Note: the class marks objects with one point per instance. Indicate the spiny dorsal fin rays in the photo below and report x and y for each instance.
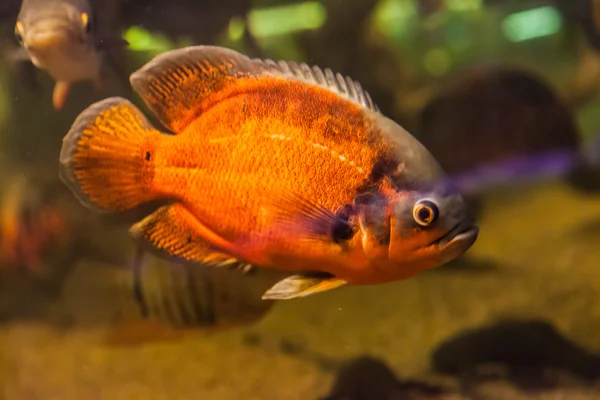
(178, 85)
(325, 78)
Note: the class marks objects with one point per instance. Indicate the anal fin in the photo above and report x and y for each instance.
(302, 285)
(170, 232)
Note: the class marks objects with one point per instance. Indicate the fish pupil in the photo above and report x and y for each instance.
(148, 156)
(425, 214)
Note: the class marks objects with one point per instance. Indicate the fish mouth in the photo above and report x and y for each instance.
(464, 232)
(46, 39)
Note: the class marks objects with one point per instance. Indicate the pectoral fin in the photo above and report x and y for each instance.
(303, 218)
(60, 93)
(301, 285)
(174, 233)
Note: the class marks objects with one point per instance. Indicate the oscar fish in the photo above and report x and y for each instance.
(271, 164)
(59, 36)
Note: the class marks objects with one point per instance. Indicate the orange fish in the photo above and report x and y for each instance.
(274, 164)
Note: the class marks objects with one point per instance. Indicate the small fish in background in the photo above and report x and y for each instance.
(41, 227)
(159, 300)
(28, 226)
(273, 164)
(59, 36)
(516, 128)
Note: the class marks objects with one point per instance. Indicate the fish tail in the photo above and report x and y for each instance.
(105, 157)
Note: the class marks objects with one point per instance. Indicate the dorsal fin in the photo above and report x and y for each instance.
(176, 84)
(325, 78)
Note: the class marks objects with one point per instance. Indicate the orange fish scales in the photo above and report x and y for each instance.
(265, 167)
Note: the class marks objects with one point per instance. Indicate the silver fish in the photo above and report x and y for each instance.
(59, 36)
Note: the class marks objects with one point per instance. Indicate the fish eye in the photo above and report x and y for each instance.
(425, 212)
(19, 32)
(85, 21)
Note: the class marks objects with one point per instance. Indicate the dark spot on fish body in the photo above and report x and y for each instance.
(147, 166)
(385, 165)
(342, 229)
(313, 108)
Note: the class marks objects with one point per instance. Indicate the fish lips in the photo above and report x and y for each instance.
(44, 40)
(463, 234)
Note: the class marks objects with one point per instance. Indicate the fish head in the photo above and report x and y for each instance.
(413, 230)
(415, 219)
(54, 31)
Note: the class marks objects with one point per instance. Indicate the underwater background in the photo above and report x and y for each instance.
(517, 317)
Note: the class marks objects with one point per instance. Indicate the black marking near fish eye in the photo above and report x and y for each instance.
(342, 229)
(384, 166)
(364, 198)
(148, 156)
(425, 212)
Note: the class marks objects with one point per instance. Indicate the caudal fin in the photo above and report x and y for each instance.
(103, 159)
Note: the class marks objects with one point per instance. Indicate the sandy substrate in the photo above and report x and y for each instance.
(544, 245)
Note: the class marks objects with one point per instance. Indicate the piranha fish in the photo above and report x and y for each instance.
(59, 36)
(273, 164)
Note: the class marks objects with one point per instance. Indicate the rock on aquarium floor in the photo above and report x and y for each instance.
(536, 258)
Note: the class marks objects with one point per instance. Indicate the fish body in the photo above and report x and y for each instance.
(59, 36)
(278, 165)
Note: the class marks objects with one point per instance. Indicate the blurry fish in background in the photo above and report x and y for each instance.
(41, 230)
(160, 300)
(28, 225)
(516, 127)
(59, 36)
